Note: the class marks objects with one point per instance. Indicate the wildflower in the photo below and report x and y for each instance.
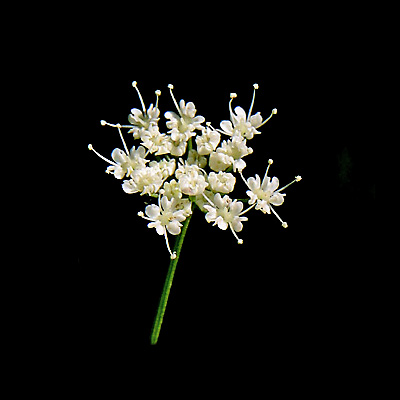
(222, 182)
(143, 120)
(125, 162)
(146, 181)
(208, 141)
(220, 161)
(224, 212)
(236, 149)
(191, 179)
(264, 194)
(165, 218)
(240, 124)
(182, 126)
(155, 141)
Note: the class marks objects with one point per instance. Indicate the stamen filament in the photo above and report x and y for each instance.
(134, 84)
(240, 241)
(274, 111)
(248, 209)
(170, 87)
(244, 180)
(90, 147)
(122, 138)
(210, 202)
(284, 224)
(252, 101)
(158, 94)
(233, 96)
(270, 162)
(173, 255)
(297, 179)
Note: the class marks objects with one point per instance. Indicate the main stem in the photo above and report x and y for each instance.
(168, 283)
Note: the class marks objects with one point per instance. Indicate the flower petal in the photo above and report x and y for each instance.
(227, 127)
(276, 199)
(241, 114)
(152, 211)
(174, 227)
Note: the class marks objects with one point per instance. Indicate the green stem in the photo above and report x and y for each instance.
(168, 283)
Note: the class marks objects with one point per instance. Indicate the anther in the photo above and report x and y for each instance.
(134, 83)
(170, 86)
(285, 225)
(90, 147)
(274, 111)
(240, 241)
(103, 123)
(173, 256)
(233, 95)
(255, 86)
(270, 161)
(298, 178)
(140, 214)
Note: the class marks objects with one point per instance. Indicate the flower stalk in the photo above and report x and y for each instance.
(168, 283)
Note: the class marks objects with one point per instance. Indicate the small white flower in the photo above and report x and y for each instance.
(143, 120)
(172, 189)
(208, 141)
(220, 161)
(167, 217)
(242, 125)
(166, 168)
(146, 181)
(236, 148)
(184, 123)
(195, 158)
(126, 164)
(155, 141)
(224, 212)
(222, 182)
(264, 194)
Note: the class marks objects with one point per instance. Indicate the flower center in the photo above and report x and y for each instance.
(225, 214)
(166, 217)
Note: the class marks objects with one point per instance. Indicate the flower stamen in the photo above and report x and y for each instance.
(284, 224)
(297, 179)
(240, 241)
(274, 111)
(158, 94)
(252, 101)
(170, 87)
(90, 147)
(134, 84)
(232, 96)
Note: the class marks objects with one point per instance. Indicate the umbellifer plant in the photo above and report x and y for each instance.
(189, 167)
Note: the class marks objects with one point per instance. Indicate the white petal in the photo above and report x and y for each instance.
(256, 120)
(254, 184)
(221, 223)
(236, 207)
(274, 184)
(174, 227)
(276, 199)
(152, 211)
(227, 127)
(118, 156)
(241, 114)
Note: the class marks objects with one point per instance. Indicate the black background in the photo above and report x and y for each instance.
(291, 296)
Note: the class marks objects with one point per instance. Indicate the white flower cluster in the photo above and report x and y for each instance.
(181, 176)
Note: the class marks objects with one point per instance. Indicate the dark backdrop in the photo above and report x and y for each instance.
(290, 294)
